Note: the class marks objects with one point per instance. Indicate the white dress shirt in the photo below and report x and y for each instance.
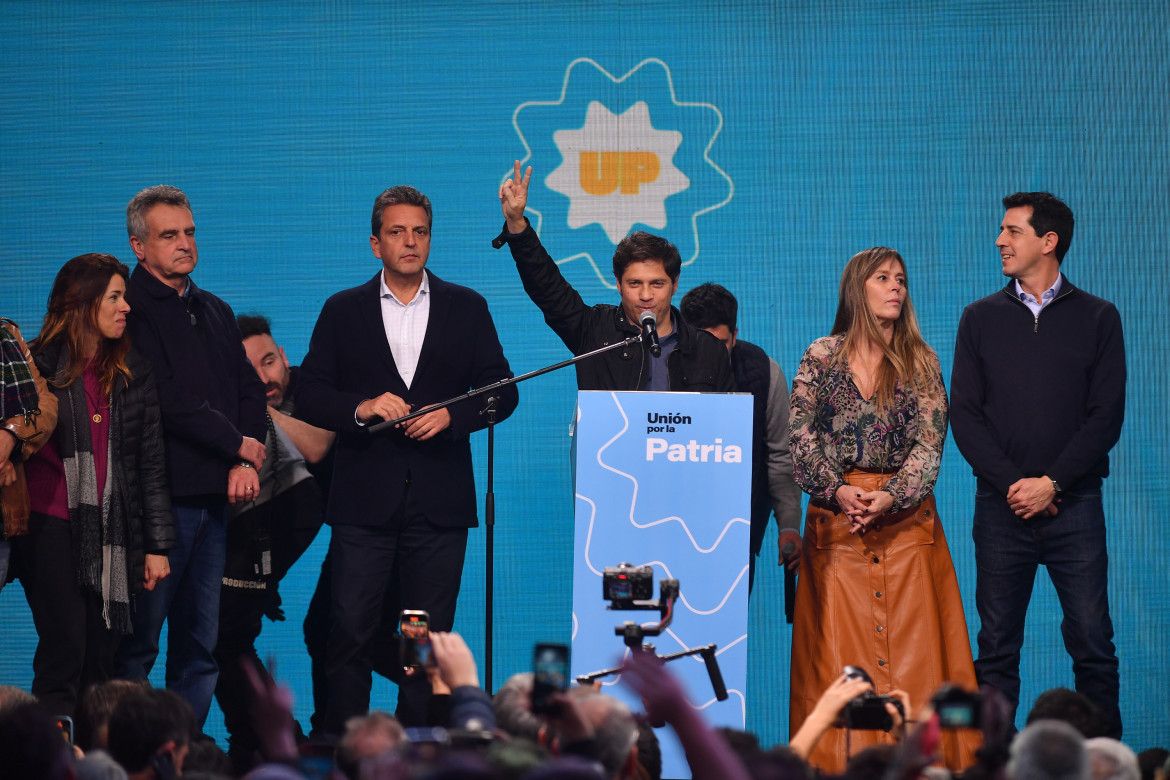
(406, 325)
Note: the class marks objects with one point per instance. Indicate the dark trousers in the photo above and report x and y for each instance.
(319, 620)
(1072, 547)
(427, 563)
(290, 521)
(74, 647)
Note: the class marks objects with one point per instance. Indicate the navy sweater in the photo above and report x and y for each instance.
(1035, 396)
(209, 393)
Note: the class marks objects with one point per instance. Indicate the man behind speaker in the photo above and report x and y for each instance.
(713, 308)
(646, 269)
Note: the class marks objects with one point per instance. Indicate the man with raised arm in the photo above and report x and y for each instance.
(646, 269)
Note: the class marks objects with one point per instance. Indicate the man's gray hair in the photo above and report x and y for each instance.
(615, 731)
(367, 737)
(513, 707)
(1049, 750)
(146, 200)
(1111, 760)
(98, 765)
(12, 696)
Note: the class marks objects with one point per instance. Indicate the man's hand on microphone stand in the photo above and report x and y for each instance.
(387, 406)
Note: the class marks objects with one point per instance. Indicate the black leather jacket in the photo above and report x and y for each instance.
(139, 458)
(699, 364)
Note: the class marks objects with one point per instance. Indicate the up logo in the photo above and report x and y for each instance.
(619, 154)
(604, 172)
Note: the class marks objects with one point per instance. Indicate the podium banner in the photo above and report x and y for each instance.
(664, 480)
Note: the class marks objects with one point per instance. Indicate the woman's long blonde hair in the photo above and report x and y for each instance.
(71, 320)
(907, 358)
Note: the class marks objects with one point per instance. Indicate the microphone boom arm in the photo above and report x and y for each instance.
(488, 388)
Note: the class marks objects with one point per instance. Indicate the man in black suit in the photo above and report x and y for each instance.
(401, 499)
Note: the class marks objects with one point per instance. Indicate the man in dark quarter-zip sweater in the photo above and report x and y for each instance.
(1037, 402)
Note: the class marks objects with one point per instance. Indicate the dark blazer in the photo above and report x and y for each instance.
(350, 361)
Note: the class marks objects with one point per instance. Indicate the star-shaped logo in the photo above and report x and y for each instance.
(616, 154)
(617, 170)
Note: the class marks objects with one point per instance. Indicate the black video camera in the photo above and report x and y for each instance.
(626, 583)
(957, 708)
(868, 711)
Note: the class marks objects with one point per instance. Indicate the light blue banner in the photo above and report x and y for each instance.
(663, 480)
(786, 137)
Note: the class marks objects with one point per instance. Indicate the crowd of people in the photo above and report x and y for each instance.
(127, 730)
(162, 461)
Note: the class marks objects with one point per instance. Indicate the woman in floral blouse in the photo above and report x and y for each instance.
(877, 587)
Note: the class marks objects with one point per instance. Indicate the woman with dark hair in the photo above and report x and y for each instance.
(877, 586)
(100, 522)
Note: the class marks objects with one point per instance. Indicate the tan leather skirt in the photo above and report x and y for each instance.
(886, 601)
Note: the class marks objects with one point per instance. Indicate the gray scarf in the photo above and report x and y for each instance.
(97, 523)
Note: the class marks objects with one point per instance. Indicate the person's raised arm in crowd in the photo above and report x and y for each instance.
(826, 712)
(471, 706)
(707, 754)
(829, 707)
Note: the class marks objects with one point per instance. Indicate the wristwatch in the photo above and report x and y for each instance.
(1055, 485)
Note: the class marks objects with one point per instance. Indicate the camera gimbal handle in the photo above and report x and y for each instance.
(633, 635)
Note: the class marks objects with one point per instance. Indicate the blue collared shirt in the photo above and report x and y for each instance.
(658, 378)
(1045, 298)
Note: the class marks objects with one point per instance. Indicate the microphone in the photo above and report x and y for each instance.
(650, 331)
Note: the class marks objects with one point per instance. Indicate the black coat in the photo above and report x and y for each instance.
(209, 393)
(350, 360)
(699, 364)
(139, 467)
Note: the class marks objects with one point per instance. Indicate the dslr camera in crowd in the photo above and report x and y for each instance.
(957, 708)
(868, 711)
(626, 583)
